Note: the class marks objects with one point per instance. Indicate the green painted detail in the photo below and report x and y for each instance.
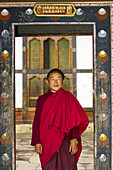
(34, 87)
(34, 54)
(63, 53)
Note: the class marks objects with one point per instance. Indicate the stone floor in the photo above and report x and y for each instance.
(26, 158)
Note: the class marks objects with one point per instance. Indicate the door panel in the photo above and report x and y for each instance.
(34, 54)
(63, 53)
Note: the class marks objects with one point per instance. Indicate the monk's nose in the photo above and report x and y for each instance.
(56, 81)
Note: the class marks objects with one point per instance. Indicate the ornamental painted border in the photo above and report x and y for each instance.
(17, 15)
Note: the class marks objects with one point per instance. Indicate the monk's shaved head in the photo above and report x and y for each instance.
(55, 70)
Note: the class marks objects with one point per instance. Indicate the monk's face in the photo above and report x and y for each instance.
(55, 81)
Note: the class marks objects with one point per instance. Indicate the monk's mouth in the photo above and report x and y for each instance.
(56, 85)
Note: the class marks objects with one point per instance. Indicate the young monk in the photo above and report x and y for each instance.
(58, 124)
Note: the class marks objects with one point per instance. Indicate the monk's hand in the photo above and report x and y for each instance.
(38, 148)
(73, 148)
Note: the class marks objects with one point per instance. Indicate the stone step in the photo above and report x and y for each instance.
(26, 158)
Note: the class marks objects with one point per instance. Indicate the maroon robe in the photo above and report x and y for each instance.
(62, 159)
(74, 133)
(61, 113)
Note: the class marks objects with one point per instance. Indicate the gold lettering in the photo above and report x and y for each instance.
(53, 7)
(61, 7)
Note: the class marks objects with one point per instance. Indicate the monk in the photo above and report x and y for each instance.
(58, 124)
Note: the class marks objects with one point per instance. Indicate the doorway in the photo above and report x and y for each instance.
(34, 57)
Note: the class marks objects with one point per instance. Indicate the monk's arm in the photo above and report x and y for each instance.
(74, 133)
(73, 148)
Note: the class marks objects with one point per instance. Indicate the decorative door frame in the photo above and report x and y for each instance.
(102, 80)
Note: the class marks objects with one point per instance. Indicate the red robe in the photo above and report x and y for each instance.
(36, 123)
(61, 112)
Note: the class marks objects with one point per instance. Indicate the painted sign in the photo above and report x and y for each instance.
(54, 10)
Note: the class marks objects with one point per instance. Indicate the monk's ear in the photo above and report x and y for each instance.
(63, 80)
(47, 81)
